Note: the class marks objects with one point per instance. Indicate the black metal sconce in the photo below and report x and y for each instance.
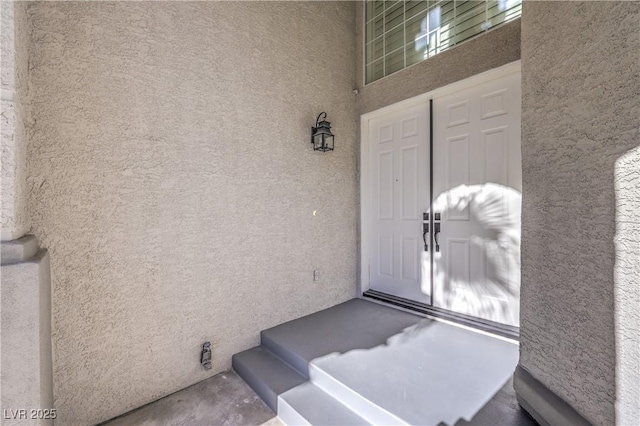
(321, 136)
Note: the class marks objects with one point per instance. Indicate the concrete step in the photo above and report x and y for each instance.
(430, 374)
(267, 375)
(363, 363)
(370, 412)
(355, 324)
(309, 405)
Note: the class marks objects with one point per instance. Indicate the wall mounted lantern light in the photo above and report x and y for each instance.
(321, 136)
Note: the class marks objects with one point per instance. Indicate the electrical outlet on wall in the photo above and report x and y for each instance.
(316, 275)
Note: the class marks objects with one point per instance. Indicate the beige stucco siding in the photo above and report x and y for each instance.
(580, 117)
(173, 182)
(13, 116)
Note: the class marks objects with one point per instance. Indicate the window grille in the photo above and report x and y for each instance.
(401, 33)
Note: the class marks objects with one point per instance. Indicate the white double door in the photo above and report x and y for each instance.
(472, 265)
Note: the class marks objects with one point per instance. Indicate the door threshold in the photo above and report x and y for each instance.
(487, 326)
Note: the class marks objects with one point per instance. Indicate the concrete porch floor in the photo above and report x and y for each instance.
(224, 399)
(227, 400)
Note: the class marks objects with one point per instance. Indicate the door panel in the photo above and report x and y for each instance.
(399, 195)
(386, 186)
(409, 182)
(410, 250)
(457, 166)
(385, 250)
(477, 189)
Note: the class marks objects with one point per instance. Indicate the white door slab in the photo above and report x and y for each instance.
(399, 158)
(477, 184)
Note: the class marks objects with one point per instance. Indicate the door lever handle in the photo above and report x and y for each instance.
(436, 231)
(425, 230)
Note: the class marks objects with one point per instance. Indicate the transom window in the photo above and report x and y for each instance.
(402, 33)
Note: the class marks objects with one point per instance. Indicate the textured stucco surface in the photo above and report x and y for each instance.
(7, 46)
(13, 112)
(580, 65)
(627, 289)
(172, 180)
(483, 53)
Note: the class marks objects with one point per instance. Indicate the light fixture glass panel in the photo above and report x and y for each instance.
(329, 142)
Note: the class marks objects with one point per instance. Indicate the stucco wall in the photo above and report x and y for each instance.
(580, 115)
(172, 180)
(13, 113)
(627, 288)
(491, 50)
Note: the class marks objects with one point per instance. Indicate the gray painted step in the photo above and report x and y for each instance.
(309, 405)
(265, 374)
(355, 324)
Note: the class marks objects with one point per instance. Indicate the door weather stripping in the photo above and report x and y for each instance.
(503, 330)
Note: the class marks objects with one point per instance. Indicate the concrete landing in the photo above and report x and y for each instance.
(356, 324)
(431, 373)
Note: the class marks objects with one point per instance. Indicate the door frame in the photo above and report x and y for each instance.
(365, 160)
